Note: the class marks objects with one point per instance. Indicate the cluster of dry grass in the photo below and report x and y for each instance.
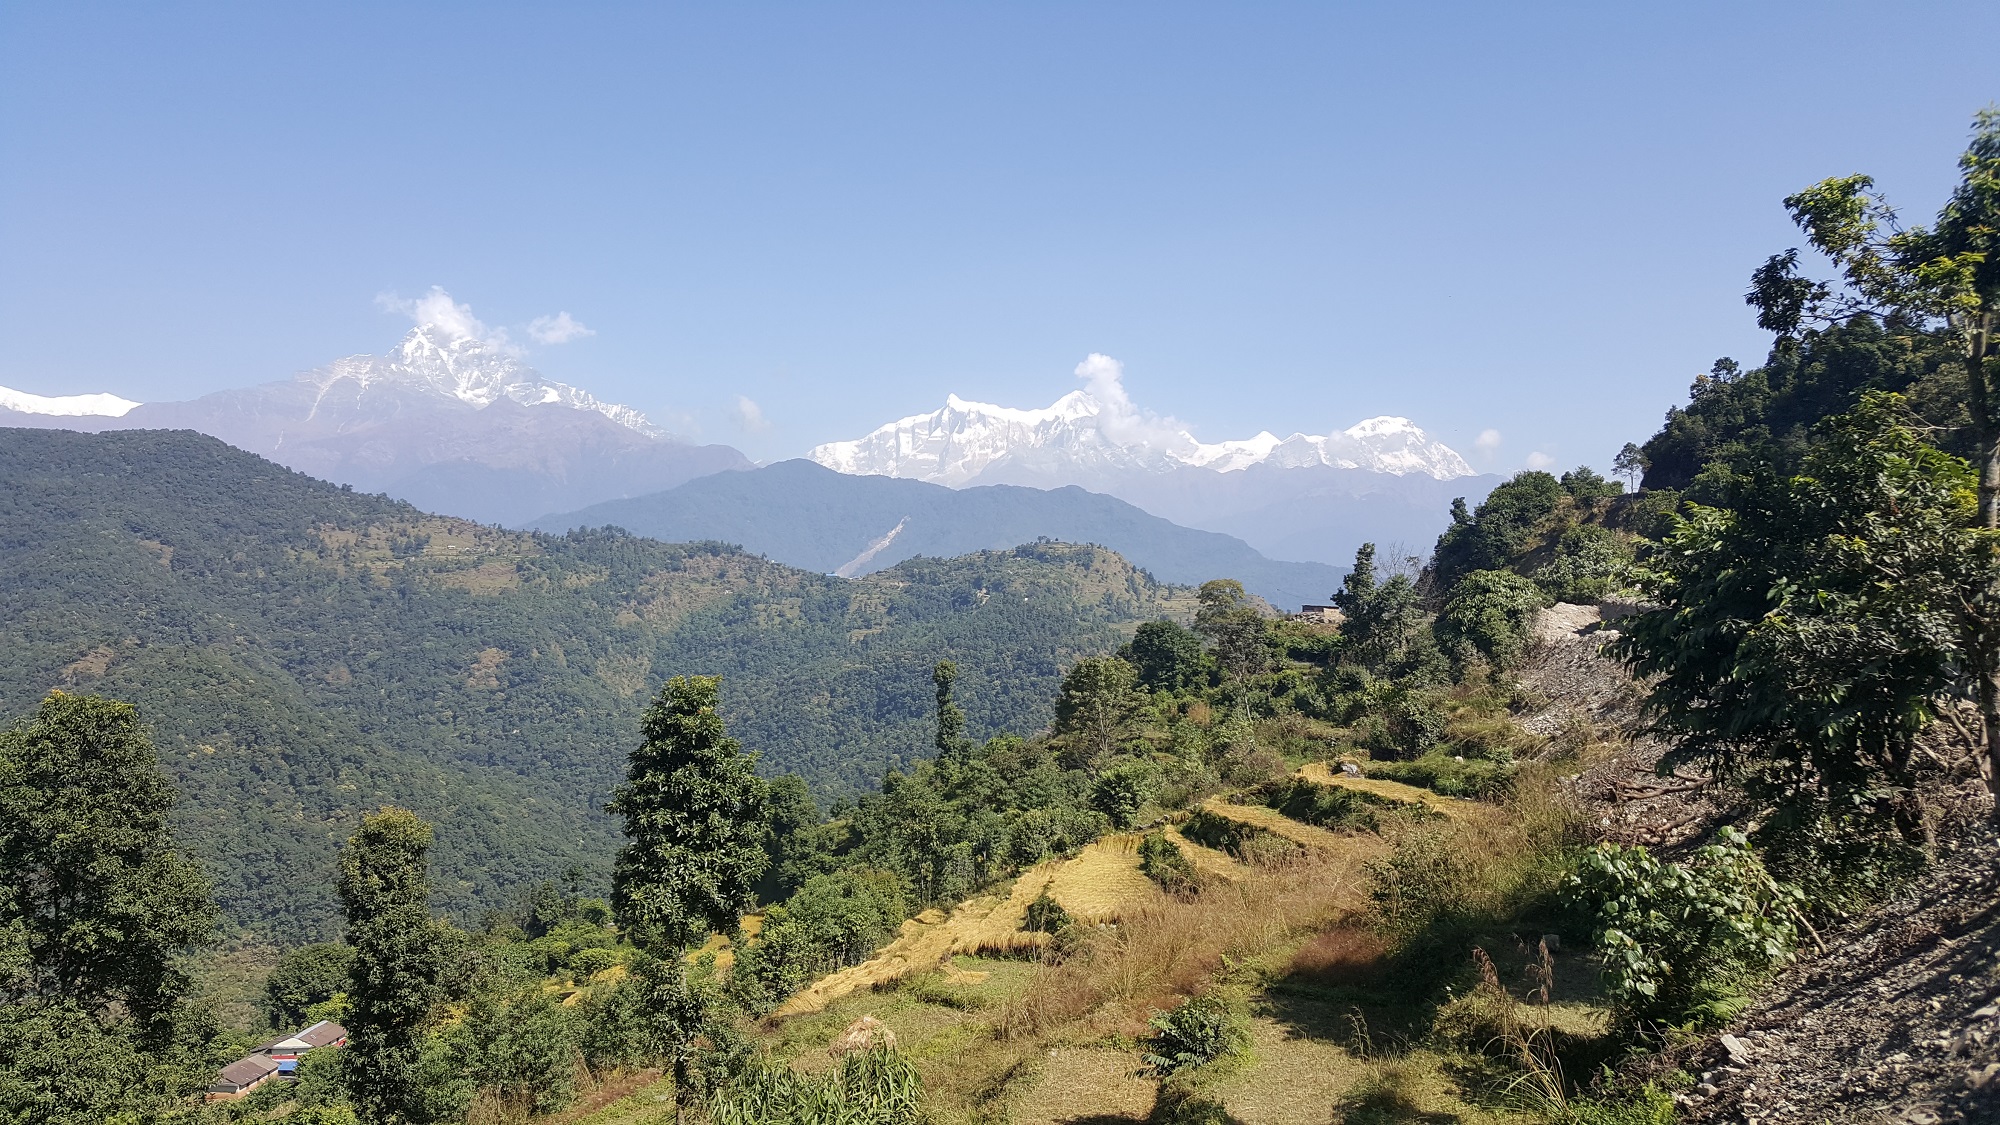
(1167, 948)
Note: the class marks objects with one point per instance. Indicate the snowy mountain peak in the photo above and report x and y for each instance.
(66, 406)
(474, 371)
(1081, 438)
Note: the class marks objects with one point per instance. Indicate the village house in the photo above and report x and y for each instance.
(278, 1058)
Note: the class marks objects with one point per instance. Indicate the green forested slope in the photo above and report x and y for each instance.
(306, 653)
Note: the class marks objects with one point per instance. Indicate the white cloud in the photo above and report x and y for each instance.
(557, 329)
(437, 310)
(1540, 461)
(1118, 417)
(750, 416)
(1487, 442)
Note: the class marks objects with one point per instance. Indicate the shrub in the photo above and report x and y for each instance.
(877, 1087)
(1198, 1032)
(1447, 776)
(587, 963)
(1045, 915)
(1121, 791)
(1488, 616)
(1328, 806)
(1681, 938)
(1162, 862)
(1586, 566)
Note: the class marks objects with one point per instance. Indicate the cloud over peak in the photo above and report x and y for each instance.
(557, 329)
(455, 319)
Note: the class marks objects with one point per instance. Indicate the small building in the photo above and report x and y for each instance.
(241, 1077)
(286, 1052)
(1320, 614)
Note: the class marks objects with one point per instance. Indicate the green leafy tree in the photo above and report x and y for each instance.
(1095, 709)
(694, 811)
(1630, 464)
(1488, 616)
(309, 975)
(1499, 530)
(1806, 635)
(1385, 620)
(799, 842)
(1948, 272)
(97, 909)
(405, 965)
(951, 741)
(1121, 791)
(1230, 621)
(1168, 656)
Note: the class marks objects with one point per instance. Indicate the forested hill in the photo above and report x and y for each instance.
(307, 653)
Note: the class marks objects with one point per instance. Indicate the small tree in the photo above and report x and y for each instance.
(1230, 621)
(1488, 616)
(1948, 273)
(1808, 634)
(93, 893)
(694, 812)
(308, 975)
(97, 909)
(1095, 708)
(1630, 464)
(1168, 657)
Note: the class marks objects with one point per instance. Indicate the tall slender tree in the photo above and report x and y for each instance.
(951, 740)
(1950, 273)
(694, 812)
(403, 962)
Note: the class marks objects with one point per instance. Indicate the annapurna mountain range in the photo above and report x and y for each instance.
(450, 422)
(1304, 497)
(460, 425)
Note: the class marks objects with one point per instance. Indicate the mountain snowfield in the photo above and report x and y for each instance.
(451, 419)
(65, 406)
(471, 370)
(1078, 437)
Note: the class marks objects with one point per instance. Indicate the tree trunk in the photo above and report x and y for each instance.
(1987, 651)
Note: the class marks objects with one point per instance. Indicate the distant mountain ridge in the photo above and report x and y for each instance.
(1305, 497)
(447, 421)
(979, 443)
(804, 515)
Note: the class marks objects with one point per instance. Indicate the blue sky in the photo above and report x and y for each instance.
(1535, 219)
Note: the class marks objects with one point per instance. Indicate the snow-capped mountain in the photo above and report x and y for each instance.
(449, 420)
(64, 406)
(968, 442)
(1309, 497)
(470, 370)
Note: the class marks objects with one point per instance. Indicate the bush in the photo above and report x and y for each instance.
(1447, 776)
(1586, 566)
(587, 963)
(1681, 939)
(1162, 862)
(1328, 806)
(1121, 791)
(1194, 1034)
(877, 1087)
(1045, 915)
(1487, 616)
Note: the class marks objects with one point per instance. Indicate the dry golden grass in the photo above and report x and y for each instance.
(1207, 862)
(1277, 824)
(1103, 881)
(1322, 774)
(1345, 955)
(1098, 1081)
(1171, 948)
(998, 933)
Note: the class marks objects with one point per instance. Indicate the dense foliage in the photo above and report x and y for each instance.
(97, 910)
(306, 654)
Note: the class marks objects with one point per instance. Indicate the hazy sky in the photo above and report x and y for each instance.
(1534, 219)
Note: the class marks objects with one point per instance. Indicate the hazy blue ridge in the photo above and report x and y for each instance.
(811, 517)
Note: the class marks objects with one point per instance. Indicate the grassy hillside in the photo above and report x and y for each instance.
(812, 517)
(307, 653)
